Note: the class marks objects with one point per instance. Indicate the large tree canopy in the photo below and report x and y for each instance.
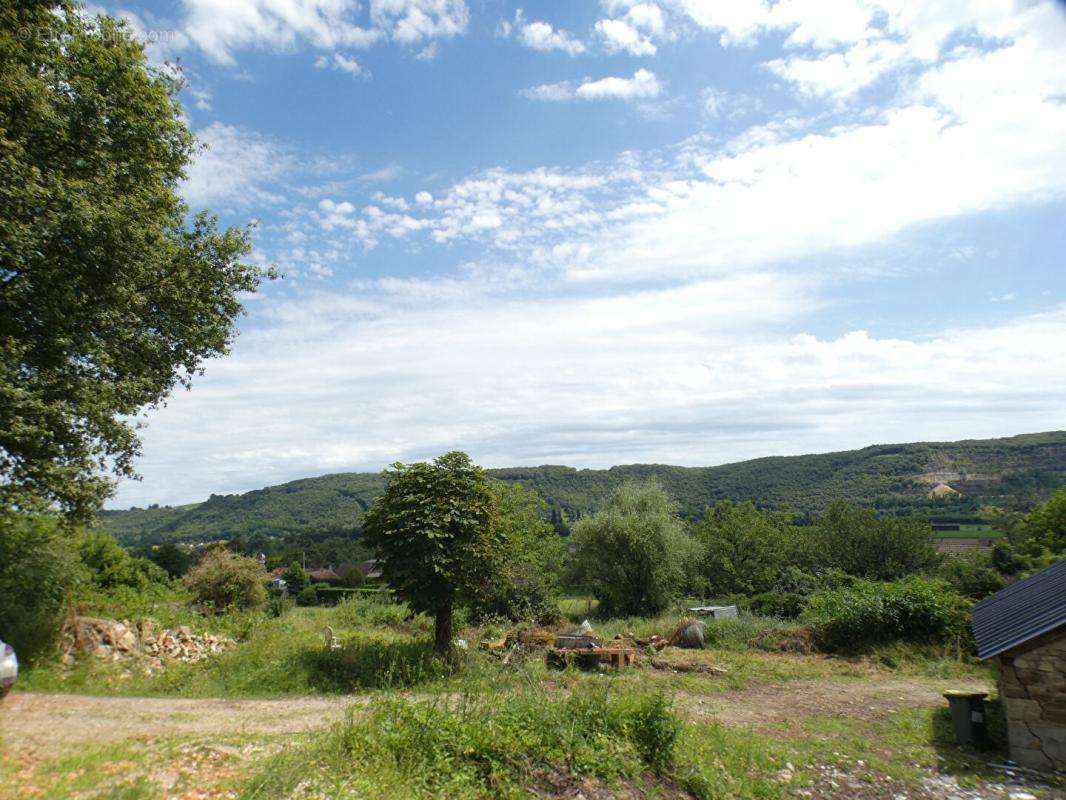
(109, 294)
(436, 533)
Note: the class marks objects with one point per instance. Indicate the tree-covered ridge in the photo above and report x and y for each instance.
(1013, 473)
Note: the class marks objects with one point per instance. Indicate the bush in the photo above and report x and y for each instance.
(110, 566)
(972, 575)
(634, 553)
(225, 580)
(785, 605)
(307, 596)
(39, 569)
(531, 556)
(376, 609)
(331, 595)
(914, 610)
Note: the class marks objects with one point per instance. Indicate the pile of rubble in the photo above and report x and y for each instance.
(111, 640)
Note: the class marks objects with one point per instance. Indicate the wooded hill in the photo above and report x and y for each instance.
(1013, 473)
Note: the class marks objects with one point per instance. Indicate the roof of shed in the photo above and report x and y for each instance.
(1021, 612)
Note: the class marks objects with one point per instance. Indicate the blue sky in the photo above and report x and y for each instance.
(680, 231)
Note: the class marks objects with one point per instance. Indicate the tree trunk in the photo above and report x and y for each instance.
(442, 639)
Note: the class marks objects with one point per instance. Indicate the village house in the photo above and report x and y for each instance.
(1023, 627)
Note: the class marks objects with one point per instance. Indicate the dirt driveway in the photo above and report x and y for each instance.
(43, 724)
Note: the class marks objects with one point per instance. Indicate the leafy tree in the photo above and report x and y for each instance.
(109, 294)
(744, 550)
(972, 575)
(109, 565)
(434, 532)
(531, 558)
(1046, 525)
(861, 543)
(295, 578)
(224, 580)
(39, 569)
(172, 558)
(634, 552)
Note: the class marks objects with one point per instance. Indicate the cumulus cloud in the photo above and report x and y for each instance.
(342, 63)
(698, 374)
(541, 36)
(237, 167)
(220, 27)
(663, 305)
(643, 85)
(411, 21)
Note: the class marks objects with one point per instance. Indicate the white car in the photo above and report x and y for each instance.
(9, 668)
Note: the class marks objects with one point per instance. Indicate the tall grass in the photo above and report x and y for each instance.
(505, 746)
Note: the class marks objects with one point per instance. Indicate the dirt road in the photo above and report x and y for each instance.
(46, 723)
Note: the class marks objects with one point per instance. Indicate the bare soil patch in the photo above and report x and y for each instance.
(47, 724)
(763, 705)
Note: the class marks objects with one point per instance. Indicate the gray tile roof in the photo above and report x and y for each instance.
(1021, 612)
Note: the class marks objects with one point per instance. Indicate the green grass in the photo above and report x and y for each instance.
(502, 746)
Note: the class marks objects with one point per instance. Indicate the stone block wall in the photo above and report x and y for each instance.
(1032, 683)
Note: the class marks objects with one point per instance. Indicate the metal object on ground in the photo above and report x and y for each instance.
(968, 716)
(9, 668)
(715, 612)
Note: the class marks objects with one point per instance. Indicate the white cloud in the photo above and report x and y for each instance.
(643, 85)
(342, 63)
(842, 74)
(411, 21)
(701, 373)
(541, 36)
(219, 27)
(236, 168)
(737, 21)
(618, 35)
(202, 98)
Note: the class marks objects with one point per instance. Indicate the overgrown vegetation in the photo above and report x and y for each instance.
(487, 746)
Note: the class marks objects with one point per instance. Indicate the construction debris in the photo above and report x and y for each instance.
(110, 640)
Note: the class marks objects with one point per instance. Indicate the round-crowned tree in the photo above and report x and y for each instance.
(436, 537)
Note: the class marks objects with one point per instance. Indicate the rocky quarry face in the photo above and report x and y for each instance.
(140, 641)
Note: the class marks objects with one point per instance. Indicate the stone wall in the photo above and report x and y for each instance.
(1032, 682)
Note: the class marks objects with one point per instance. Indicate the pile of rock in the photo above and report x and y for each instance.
(112, 640)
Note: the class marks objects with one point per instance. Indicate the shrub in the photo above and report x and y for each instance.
(295, 578)
(375, 609)
(279, 606)
(331, 595)
(634, 553)
(110, 566)
(223, 579)
(913, 609)
(307, 596)
(39, 569)
(785, 605)
(531, 558)
(972, 575)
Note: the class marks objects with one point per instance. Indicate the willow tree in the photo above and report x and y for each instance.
(111, 293)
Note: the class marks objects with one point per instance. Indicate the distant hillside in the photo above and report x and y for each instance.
(1015, 473)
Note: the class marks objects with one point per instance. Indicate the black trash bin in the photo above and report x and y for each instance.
(968, 716)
